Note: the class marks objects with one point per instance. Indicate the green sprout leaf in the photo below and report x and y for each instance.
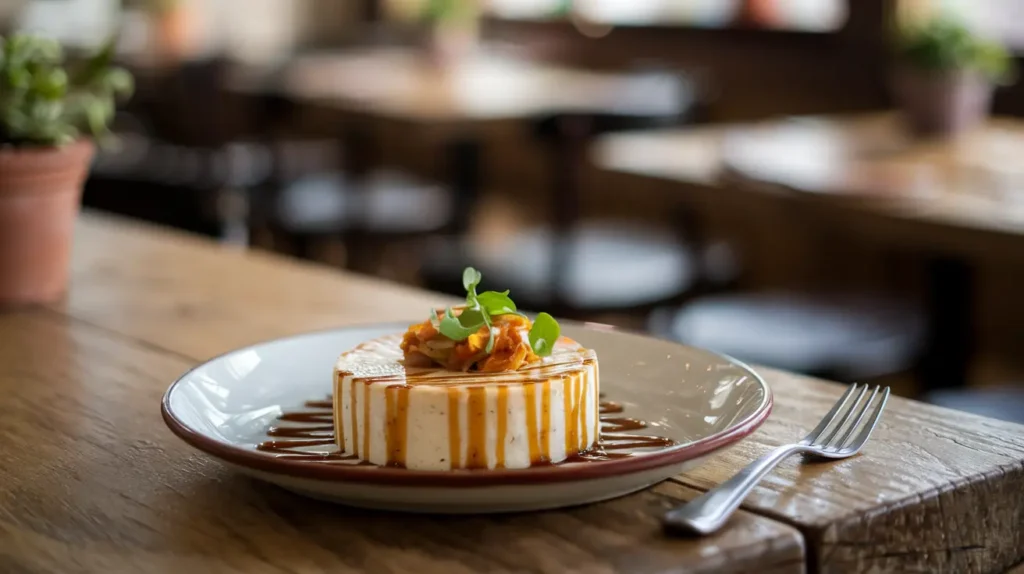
(490, 341)
(479, 311)
(470, 279)
(452, 328)
(473, 318)
(544, 334)
(496, 303)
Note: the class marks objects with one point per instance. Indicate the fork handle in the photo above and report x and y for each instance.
(709, 511)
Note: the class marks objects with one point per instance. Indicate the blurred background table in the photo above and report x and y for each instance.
(492, 83)
(953, 203)
(552, 263)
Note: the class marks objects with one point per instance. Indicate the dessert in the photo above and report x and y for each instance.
(474, 387)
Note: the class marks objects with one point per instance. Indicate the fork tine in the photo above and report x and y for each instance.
(842, 420)
(836, 408)
(838, 444)
(865, 432)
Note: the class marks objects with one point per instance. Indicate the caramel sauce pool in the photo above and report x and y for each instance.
(314, 427)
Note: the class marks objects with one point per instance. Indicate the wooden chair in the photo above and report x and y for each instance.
(845, 337)
(1003, 403)
(575, 267)
(185, 158)
(331, 189)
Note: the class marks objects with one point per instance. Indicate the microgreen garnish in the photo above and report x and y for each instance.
(481, 308)
(496, 303)
(543, 334)
(453, 328)
(470, 279)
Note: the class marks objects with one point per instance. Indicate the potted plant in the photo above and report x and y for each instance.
(50, 116)
(452, 29)
(945, 75)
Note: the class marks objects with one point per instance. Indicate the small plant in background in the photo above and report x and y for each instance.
(51, 117)
(450, 11)
(945, 75)
(44, 102)
(944, 44)
(450, 28)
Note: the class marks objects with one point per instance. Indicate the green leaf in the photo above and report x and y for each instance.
(51, 84)
(120, 81)
(945, 43)
(448, 10)
(471, 278)
(496, 303)
(490, 340)
(43, 104)
(473, 317)
(452, 328)
(98, 64)
(544, 334)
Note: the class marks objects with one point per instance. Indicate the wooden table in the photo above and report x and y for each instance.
(959, 201)
(356, 90)
(92, 481)
(362, 88)
(965, 196)
(401, 84)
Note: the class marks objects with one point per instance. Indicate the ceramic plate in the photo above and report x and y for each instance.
(699, 401)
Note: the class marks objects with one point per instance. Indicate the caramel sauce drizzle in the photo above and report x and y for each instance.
(355, 419)
(396, 399)
(568, 389)
(336, 404)
(313, 433)
(454, 430)
(530, 394)
(545, 422)
(366, 420)
(610, 407)
(499, 451)
(311, 429)
(476, 453)
(394, 370)
(583, 410)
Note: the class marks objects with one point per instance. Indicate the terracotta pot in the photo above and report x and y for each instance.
(942, 103)
(447, 46)
(40, 189)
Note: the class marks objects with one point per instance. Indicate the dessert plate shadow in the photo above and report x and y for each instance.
(699, 401)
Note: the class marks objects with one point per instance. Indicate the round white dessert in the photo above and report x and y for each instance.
(433, 419)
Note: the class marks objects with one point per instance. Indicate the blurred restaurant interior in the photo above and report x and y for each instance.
(733, 174)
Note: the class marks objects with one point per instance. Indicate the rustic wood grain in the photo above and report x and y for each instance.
(935, 490)
(91, 481)
(215, 297)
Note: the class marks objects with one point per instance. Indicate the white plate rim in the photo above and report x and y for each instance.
(265, 462)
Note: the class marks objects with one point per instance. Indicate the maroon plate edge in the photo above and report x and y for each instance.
(390, 476)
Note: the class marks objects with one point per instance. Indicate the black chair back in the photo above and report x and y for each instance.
(651, 97)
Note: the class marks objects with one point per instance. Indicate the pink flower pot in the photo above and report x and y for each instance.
(942, 103)
(40, 189)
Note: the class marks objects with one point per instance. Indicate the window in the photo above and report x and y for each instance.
(803, 15)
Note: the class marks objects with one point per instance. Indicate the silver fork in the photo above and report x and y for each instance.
(842, 433)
